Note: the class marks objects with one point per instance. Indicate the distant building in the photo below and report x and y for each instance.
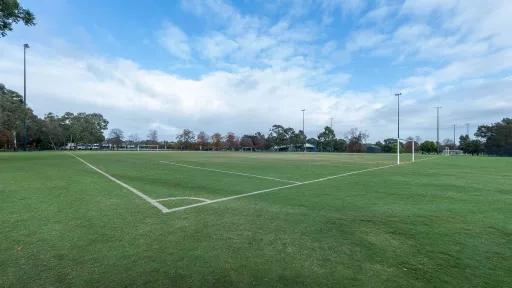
(373, 149)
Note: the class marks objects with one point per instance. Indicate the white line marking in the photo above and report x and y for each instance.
(173, 198)
(137, 192)
(427, 158)
(230, 172)
(276, 188)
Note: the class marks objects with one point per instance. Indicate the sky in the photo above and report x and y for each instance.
(242, 66)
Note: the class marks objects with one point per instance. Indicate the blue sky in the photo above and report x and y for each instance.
(242, 66)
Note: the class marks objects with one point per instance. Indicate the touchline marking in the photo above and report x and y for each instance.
(231, 172)
(174, 198)
(277, 188)
(137, 192)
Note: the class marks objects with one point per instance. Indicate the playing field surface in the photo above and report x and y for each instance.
(222, 219)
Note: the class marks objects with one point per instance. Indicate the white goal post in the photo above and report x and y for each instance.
(398, 149)
(127, 147)
(147, 148)
(448, 152)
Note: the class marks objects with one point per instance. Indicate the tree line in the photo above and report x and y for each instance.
(50, 132)
(279, 138)
(56, 131)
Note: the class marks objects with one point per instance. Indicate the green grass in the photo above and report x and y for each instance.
(443, 222)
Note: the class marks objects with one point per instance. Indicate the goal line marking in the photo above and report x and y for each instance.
(177, 198)
(135, 191)
(230, 172)
(277, 188)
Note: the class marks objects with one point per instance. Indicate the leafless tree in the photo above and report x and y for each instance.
(153, 137)
(202, 140)
(356, 139)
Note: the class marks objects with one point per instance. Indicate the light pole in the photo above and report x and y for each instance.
(437, 143)
(332, 144)
(398, 129)
(25, 47)
(303, 131)
(454, 146)
(270, 133)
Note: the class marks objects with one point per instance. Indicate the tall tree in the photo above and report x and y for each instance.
(356, 140)
(152, 137)
(298, 138)
(389, 145)
(428, 147)
(289, 135)
(217, 142)
(312, 141)
(247, 142)
(133, 139)
(203, 140)
(231, 141)
(54, 130)
(340, 145)
(116, 137)
(408, 145)
(11, 12)
(12, 112)
(476, 147)
(278, 135)
(327, 139)
(86, 128)
(259, 141)
(464, 143)
(12, 115)
(186, 139)
(497, 137)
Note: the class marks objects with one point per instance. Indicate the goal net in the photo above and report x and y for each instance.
(449, 152)
(147, 148)
(127, 147)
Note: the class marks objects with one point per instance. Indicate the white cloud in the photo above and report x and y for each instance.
(470, 20)
(248, 100)
(244, 101)
(461, 70)
(363, 39)
(344, 7)
(175, 41)
(382, 13)
(249, 41)
(216, 46)
(425, 7)
(224, 14)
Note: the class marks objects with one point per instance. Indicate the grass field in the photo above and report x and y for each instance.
(314, 220)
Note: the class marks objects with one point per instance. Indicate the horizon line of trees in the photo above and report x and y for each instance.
(55, 132)
(50, 132)
(285, 137)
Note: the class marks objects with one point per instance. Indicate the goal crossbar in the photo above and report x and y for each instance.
(147, 148)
